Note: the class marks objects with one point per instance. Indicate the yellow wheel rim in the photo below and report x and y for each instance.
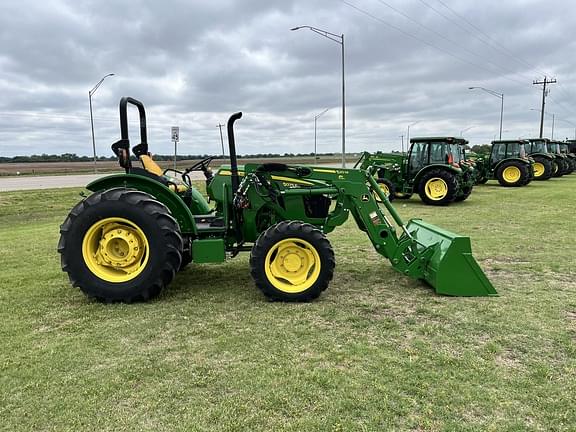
(384, 188)
(436, 189)
(539, 169)
(115, 249)
(511, 174)
(292, 265)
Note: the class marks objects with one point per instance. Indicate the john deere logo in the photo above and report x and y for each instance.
(365, 198)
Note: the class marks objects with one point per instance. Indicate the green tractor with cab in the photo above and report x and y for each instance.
(562, 158)
(547, 164)
(128, 239)
(570, 154)
(433, 169)
(507, 162)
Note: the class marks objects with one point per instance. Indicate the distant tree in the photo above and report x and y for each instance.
(481, 148)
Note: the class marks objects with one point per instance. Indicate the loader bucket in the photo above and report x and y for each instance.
(451, 269)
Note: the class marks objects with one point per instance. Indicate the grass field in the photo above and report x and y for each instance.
(376, 352)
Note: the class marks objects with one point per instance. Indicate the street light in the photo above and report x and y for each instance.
(221, 138)
(339, 39)
(408, 135)
(315, 121)
(90, 93)
(499, 95)
(471, 127)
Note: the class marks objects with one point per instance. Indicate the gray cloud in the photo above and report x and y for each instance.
(193, 63)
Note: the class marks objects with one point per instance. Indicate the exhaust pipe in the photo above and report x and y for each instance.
(232, 148)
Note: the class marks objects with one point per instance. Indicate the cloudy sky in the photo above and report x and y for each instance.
(194, 62)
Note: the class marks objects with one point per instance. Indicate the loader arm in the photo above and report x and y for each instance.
(416, 249)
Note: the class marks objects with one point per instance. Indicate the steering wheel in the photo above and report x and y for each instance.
(201, 165)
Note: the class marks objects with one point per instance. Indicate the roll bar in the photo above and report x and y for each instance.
(121, 148)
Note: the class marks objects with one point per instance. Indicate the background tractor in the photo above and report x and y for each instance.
(563, 160)
(565, 149)
(431, 169)
(546, 163)
(129, 238)
(507, 162)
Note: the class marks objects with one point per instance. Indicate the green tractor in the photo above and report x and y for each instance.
(547, 164)
(129, 238)
(563, 159)
(431, 169)
(507, 163)
(570, 154)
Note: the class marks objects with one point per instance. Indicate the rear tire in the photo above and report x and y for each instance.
(292, 262)
(120, 245)
(511, 174)
(438, 187)
(543, 168)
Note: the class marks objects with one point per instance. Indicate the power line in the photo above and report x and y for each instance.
(457, 57)
(466, 49)
(490, 42)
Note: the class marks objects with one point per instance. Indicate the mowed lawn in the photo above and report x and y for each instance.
(376, 352)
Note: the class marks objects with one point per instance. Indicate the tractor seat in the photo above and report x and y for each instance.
(152, 167)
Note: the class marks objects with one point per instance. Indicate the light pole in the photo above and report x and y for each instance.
(339, 39)
(499, 95)
(408, 135)
(221, 138)
(553, 119)
(471, 127)
(90, 93)
(315, 122)
(402, 138)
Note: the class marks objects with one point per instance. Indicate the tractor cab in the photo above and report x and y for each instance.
(508, 149)
(429, 151)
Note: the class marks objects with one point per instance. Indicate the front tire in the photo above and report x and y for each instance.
(120, 245)
(466, 192)
(387, 187)
(292, 262)
(438, 187)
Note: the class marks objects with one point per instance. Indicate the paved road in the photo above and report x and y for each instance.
(74, 180)
(54, 182)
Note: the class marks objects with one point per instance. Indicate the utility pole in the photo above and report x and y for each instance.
(544, 94)
(221, 139)
(552, 137)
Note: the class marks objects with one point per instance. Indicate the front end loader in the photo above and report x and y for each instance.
(129, 238)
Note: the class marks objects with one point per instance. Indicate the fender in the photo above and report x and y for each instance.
(177, 207)
(523, 161)
(457, 171)
(544, 155)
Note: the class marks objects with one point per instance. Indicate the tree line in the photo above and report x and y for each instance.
(73, 157)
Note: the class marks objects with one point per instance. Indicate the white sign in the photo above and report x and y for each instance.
(175, 133)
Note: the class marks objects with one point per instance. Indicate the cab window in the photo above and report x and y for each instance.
(418, 156)
(438, 153)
